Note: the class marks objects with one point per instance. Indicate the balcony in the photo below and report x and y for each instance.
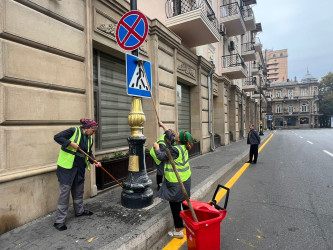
(257, 45)
(250, 84)
(249, 20)
(255, 70)
(258, 28)
(233, 66)
(258, 96)
(193, 21)
(248, 52)
(232, 18)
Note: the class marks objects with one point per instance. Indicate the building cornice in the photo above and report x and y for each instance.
(167, 36)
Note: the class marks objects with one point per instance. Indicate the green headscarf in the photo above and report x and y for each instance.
(186, 139)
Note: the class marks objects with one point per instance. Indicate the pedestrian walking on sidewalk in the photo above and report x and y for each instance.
(170, 190)
(71, 168)
(253, 138)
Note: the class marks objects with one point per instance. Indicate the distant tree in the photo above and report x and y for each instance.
(326, 91)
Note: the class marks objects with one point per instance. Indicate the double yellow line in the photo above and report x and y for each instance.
(177, 243)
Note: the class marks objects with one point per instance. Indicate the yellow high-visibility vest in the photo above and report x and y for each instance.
(182, 164)
(152, 150)
(67, 155)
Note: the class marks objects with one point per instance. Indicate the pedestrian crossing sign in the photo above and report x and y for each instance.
(137, 75)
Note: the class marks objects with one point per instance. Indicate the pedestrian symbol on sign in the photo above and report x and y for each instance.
(138, 80)
(138, 76)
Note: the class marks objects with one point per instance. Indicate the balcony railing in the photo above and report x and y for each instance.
(233, 61)
(231, 9)
(177, 7)
(247, 12)
(234, 66)
(247, 47)
(233, 20)
(251, 81)
(250, 84)
(258, 45)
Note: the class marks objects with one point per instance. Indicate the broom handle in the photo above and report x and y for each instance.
(151, 94)
(100, 166)
(181, 185)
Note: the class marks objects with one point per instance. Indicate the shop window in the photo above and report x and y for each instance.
(291, 121)
(304, 120)
(278, 122)
(112, 105)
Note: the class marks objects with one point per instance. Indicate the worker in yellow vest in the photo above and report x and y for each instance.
(71, 168)
(163, 142)
(170, 190)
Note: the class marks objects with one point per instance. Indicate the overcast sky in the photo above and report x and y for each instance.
(303, 27)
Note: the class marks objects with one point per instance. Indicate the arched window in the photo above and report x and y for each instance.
(304, 107)
(278, 109)
(291, 109)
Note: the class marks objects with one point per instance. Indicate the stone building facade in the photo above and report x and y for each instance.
(60, 62)
(294, 104)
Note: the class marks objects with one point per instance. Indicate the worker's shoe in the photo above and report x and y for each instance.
(60, 226)
(175, 234)
(85, 213)
(249, 162)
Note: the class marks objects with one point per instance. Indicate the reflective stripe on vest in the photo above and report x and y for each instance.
(182, 165)
(67, 155)
(152, 150)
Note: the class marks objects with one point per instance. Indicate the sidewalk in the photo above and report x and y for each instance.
(114, 227)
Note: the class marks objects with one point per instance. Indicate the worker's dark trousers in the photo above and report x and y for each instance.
(175, 209)
(63, 200)
(254, 152)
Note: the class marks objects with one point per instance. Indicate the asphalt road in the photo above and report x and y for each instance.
(285, 201)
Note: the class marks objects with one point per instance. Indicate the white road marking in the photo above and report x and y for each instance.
(328, 153)
(301, 137)
(310, 142)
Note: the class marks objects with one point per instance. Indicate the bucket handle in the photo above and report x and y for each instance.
(213, 202)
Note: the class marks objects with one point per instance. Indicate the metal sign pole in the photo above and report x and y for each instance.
(137, 192)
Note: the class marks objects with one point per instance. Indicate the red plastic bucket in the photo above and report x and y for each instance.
(204, 234)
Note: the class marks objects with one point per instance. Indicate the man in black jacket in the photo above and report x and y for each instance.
(253, 138)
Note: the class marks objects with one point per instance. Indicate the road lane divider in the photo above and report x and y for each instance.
(177, 243)
(310, 142)
(328, 153)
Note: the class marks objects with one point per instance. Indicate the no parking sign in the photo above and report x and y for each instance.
(132, 30)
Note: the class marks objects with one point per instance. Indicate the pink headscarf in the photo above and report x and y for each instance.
(88, 123)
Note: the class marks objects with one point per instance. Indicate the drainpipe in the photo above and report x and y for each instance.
(212, 145)
(242, 114)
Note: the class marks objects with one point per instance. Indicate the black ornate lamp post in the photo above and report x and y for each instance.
(137, 192)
